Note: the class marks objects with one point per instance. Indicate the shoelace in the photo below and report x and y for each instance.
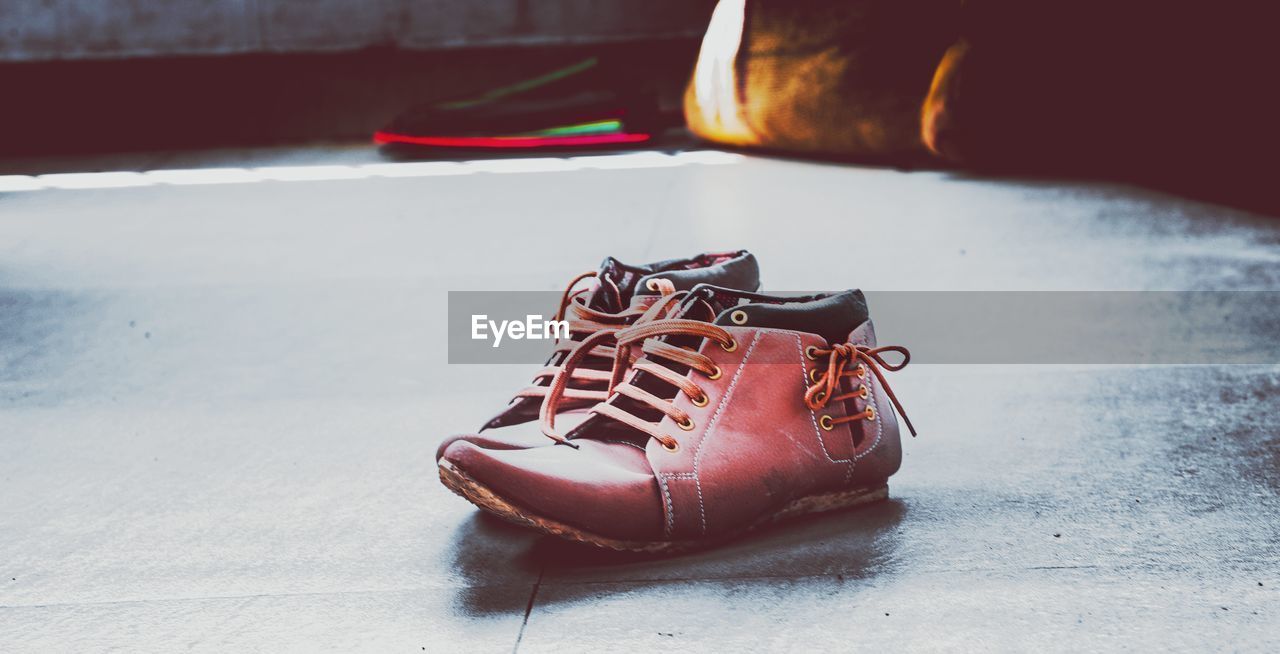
(647, 333)
(827, 383)
(586, 321)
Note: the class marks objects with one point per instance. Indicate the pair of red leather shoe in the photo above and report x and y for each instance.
(700, 410)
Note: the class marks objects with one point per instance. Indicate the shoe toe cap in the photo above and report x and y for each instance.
(600, 488)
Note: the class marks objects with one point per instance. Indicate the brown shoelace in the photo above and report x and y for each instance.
(827, 383)
(585, 321)
(647, 333)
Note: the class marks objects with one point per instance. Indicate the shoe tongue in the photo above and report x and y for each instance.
(604, 428)
(633, 280)
(623, 276)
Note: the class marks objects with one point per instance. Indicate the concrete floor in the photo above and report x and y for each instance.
(219, 403)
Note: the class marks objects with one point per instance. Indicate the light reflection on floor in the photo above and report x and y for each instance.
(202, 176)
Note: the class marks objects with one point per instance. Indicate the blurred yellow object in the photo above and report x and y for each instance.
(828, 77)
(711, 101)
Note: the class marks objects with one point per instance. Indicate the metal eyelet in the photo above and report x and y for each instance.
(864, 392)
(738, 317)
(862, 371)
(819, 396)
(815, 375)
(715, 374)
(871, 413)
(686, 425)
(701, 400)
(811, 352)
(732, 345)
(826, 422)
(673, 447)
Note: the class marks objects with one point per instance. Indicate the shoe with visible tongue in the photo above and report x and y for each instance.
(741, 409)
(621, 295)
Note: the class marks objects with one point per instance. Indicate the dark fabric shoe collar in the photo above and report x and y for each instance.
(737, 269)
(830, 315)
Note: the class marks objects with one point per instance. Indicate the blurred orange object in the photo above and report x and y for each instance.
(819, 76)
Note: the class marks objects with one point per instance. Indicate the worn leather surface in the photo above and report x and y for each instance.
(605, 487)
(754, 447)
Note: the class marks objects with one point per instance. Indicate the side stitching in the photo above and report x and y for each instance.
(670, 511)
(715, 419)
(871, 401)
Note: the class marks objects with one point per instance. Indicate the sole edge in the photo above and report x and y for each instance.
(478, 494)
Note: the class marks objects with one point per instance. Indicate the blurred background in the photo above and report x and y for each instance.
(228, 231)
(1175, 97)
(86, 76)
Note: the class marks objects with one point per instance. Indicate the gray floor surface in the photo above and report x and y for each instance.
(219, 405)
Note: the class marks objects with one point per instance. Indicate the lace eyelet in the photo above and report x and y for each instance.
(700, 401)
(686, 424)
(811, 352)
(862, 371)
(864, 392)
(826, 422)
(738, 317)
(819, 396)
(715, 374)
(673, 447)
(731, 346)
(815, 375)
(871, 413)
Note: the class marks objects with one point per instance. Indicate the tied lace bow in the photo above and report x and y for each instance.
(839, 356)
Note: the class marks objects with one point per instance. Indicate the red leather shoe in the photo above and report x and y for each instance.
(739, 410)
(621, 295)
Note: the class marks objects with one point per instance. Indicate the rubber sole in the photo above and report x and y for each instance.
(473, 491)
